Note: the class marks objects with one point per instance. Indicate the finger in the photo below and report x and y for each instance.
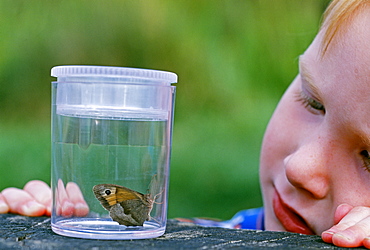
(353, 236)
(41, 192)
(21, 202)
(64, 206)
(366, 242)
(76, 197)
(4, 208)
(352, 229)
(341, 211)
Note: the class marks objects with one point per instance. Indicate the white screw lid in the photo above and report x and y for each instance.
(115, 72)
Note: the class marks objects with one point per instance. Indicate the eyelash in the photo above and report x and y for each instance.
(365, 154)
(311, 104)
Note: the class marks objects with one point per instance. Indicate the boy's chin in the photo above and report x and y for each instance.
(277, 228)
(273, 224)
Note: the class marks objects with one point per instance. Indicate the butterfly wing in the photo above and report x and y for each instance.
(110, 194)
(137, 209)
(125, 206)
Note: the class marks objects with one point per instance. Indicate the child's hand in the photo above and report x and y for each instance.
(351, 229)
(70, 201)
(35, 200)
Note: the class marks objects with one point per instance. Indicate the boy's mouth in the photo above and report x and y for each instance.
(290, 220)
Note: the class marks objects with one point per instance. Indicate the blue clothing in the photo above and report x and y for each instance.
(245, 219)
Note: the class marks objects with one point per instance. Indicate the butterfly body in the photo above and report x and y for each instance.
(125, 206)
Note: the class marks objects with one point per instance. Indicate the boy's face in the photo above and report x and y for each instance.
(316, 150)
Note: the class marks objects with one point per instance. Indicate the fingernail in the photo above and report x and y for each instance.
(328, 232)
(327, 236)
(344, 237)
(32, 208)
(4, 208)
(67, 209)
(81, 209)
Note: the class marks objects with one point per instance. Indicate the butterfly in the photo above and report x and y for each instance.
(125, 206)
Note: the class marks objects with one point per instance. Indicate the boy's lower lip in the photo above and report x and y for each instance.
(290, 220)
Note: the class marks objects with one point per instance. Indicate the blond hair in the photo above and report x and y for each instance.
(337, 16)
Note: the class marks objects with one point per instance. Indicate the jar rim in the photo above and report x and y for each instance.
(110, 71)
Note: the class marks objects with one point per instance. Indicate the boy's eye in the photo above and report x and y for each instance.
(311, 104)
(366, 157)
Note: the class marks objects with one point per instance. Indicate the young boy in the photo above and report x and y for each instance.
(315, 158)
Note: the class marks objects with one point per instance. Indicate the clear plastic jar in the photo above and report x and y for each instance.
(111, 126)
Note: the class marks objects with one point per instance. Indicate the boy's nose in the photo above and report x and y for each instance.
(307, 169)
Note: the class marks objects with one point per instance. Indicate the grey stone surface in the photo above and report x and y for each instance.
(20, 232)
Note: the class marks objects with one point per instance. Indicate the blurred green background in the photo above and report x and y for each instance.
(234, 59)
